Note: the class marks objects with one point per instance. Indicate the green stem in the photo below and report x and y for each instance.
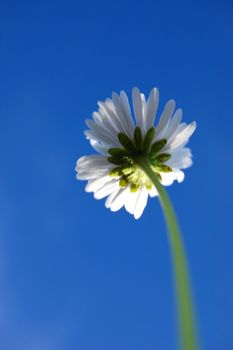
(187, 328)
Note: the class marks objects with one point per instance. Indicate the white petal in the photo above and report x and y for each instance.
(180, 158)
(183, 136)
(95, 184)
(90, 167)
(174, 123)
(103, 123)
(137, 105)
(111, 120)
(165, 119)
(90, 174)
(110, 133)
(120, 199)
(144, 122)
(151, 107)
(167, 178)
(178, 130)
(97, 117)
(153, 192)
(180, 152)
(141, 202)
(126, 110)
(110, 198)
(179, 175)
(103, 149)
(106, 189)
(101, 137)
(131, 201)
(96, 160)
(120, 115)
(107, 108)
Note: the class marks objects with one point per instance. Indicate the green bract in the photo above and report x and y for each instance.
(126, 159)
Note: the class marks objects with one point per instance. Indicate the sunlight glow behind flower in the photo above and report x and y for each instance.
(121, 141)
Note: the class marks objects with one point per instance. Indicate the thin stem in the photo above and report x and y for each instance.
(187, 327)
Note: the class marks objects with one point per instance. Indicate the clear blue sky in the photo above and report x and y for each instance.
(72, 274)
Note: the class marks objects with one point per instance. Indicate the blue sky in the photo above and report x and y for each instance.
(72, 274)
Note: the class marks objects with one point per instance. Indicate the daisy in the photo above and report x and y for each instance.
(123, 140)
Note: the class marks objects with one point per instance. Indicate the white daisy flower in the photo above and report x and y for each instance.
(120, 140)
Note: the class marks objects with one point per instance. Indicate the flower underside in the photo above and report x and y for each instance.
(127, 158)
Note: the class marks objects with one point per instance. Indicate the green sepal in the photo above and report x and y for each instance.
(126, 142)
(164, 168)
(123, 182)
(138, 138)
(148, 139)
(115, 160)
(154, 161)
(134, 187)
(157, 146)
(163, 157)
(117, 152)
(115, 172)
(159, 176)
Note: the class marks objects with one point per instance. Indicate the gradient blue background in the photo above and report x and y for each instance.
(73, 275)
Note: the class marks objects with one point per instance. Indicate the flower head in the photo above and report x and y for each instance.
(115, 172)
